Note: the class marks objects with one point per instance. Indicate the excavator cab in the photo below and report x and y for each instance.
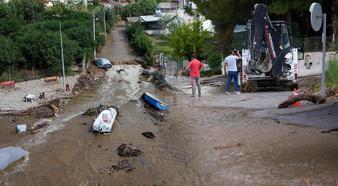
(268, 54)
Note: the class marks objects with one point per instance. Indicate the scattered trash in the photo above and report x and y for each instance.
(9, 155)
(276, 120)
(21, 128)
(128, 150)
(7, 84)
(29, 98)
(133, 101)
(156, 114)
(157, 79)
(121, 165)
(331, 130)
(120, 70)
(42, 95)
(227, 146)
(149, 135)
(49, 79)
(38, 126)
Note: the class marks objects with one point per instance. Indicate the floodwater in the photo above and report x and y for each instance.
(196, 145)
(68, 153)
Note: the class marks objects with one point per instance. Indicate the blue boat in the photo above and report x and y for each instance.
(154, 101)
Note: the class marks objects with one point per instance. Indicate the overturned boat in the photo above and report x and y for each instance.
(10, 155)
(154, 101)
(104, 122)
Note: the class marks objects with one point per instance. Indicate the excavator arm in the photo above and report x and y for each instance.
(267, 51)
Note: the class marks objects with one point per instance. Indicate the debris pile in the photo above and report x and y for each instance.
(93, 77)
(129, 62)
(313, 98)
(128, 150)
(38, 126)
(49, 109)
(97, 110)
(121, 165)
(157, 79)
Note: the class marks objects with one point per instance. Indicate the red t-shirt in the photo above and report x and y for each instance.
(195, 67)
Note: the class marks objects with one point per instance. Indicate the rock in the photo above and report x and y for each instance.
(149, 135)
(123, 165)
(128, 150)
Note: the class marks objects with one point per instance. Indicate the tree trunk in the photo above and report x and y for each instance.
(313, 98)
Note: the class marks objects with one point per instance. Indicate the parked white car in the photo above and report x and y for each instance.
(103, 63)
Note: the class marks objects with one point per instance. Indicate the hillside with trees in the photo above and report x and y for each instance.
(30, 37)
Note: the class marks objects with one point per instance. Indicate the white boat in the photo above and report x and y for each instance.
(104, 122)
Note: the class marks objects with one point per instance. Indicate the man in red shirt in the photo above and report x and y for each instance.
(194, 67)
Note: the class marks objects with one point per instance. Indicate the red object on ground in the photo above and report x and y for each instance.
(295, 92)
(49, 79)
(7, 83)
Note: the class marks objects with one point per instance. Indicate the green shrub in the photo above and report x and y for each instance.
(215, 62)
(332, 72)
(140, 42)
(138, 8)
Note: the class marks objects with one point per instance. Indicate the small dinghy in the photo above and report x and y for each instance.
(154, 101)
(104, 122)
(9, 155)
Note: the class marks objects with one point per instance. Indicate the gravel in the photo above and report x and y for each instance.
(13, 98)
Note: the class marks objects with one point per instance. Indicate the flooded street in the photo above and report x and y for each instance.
(197, 145)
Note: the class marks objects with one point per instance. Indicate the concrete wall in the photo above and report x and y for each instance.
(311, 64)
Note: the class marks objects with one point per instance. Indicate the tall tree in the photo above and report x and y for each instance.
(29, 10)
(188, 38)
(10, 55)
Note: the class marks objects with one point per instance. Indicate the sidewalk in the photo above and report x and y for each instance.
(262, 104)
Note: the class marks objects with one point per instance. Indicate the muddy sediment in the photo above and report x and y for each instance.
(199, 145)
(93, 77)
(128, 150)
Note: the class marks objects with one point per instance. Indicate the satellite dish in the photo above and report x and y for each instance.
(316, 16)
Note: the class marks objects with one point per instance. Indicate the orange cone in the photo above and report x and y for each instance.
(295, 92)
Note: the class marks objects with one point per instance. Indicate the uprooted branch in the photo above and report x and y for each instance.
(313, 98)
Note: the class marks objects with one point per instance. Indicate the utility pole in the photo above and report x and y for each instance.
(104, 22)
(94, 34)
(324, 55)
(62, 58)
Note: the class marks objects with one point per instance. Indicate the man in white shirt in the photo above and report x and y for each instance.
(231, 68)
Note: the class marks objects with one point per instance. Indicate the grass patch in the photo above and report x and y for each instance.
(331, 81)
(161, 44)
(332, 72)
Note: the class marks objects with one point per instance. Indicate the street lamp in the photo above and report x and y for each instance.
(104, 22)
(62, 59)
(94, 19)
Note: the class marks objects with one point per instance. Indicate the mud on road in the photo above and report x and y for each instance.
(212, 140)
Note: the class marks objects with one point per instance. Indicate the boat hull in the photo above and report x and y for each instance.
(104, 122)
(154, 101)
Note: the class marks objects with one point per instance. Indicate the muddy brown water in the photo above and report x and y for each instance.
(196, 146)
(68, 153)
